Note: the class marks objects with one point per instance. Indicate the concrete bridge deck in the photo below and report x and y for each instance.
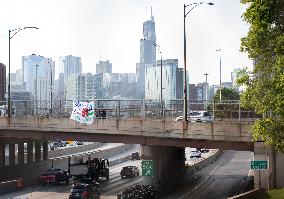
(233, 135)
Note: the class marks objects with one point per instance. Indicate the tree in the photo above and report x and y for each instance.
(265, 83)
(227, 94)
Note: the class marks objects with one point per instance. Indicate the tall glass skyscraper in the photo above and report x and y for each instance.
(72, 65)
(147, 54)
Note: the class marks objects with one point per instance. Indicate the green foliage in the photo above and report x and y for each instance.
(227, 94)
(265, 84)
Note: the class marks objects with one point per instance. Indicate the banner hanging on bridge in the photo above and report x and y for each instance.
(83, 112)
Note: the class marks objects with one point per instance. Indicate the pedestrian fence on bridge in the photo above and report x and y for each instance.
(129, 108)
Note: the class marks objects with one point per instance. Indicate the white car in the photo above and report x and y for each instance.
(200, 116)
(195, 153)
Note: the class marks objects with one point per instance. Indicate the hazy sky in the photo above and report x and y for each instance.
(111, 29)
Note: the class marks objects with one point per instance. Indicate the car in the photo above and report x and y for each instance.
(129, 171)
(79, 143)
(135, 156)
(54, 176)
(200, 116)
(195, 153)
(203, 150)
(84, 191)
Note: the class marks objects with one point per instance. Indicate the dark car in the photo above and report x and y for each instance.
(129, 171)
(84, 191)
(135, 156)
(54, 176)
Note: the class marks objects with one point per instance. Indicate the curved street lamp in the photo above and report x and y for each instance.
(193, 5)
(15, 31)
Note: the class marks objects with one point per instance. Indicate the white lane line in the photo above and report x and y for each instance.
(203, 181)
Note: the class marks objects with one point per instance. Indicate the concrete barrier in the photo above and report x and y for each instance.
(248, 195)
(73, 150)
(203, 163)
(8, 186)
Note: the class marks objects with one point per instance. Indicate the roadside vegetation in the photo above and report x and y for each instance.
(264, 84)
(273, 194)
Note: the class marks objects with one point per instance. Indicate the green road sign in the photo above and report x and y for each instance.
(258, 164)
(147, 167)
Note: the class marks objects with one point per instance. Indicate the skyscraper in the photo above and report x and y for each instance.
(147, 54)
(38, 75)
(2, 81)
(153, 79)
(104, 67)
(72, 65)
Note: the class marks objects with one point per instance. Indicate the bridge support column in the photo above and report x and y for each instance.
(30, 148)
(37, 151)
(11, 153)
(21, 153)
(169, 166)
(2, 154)
(44, 150)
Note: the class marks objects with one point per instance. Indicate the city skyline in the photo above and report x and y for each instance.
(95, 35)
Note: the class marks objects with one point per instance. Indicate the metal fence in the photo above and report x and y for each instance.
(155, 109)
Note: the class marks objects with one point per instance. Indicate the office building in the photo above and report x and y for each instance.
(2, 81)
(71, 65)
(153, 79)
(104, 67)
(84, 86)
(147, 54)
(38, 75)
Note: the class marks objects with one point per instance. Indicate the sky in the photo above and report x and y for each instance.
(111, 30)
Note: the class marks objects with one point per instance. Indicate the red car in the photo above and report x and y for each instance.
(54, 176)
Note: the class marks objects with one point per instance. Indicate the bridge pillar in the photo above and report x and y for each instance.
(2, 154)
(21, 153)
(37, 151)
(11, 153)
(30, 148)
(44, 150)
(169, 166)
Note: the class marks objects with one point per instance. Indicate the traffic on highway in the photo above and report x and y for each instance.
(94, 178)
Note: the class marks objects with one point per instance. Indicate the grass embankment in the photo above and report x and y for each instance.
(274, 194)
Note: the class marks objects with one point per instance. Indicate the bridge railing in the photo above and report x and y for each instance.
(155, 109)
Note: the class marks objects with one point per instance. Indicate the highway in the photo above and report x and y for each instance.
(223, 178)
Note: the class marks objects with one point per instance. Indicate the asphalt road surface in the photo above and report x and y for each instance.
(224, 178)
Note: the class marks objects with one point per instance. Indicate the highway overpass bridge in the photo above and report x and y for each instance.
(162, 139)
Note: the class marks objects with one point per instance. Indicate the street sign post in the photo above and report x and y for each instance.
(147, 167)
(258, 165)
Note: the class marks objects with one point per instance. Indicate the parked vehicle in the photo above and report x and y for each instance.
(54, 176)
(4, 110)
(195, 153)
(129, 171)
(84, 191)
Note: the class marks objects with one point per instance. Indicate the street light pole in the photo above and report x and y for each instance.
(220, 84)
(50, 88)
(36, 90)
(9, 75)
(194, 5)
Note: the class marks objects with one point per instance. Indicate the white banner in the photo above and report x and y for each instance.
(83, 112)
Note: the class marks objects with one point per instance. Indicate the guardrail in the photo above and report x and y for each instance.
(156, 109)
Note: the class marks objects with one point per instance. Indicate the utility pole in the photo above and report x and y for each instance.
(50, 89)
